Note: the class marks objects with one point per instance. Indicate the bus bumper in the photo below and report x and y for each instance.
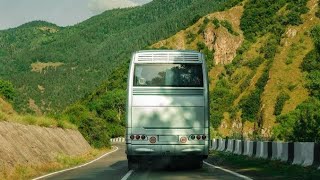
(166, 150)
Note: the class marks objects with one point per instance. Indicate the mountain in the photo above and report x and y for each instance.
(53, 66)
(263, 57)
(264, 66)
(258, 52)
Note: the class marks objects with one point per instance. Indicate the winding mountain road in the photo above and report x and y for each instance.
(114, 166)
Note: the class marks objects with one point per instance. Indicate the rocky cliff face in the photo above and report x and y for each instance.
(34, 145)
(220, 39)
(217, 37)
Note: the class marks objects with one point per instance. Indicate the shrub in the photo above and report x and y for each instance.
(220, 100)
(314, 83)
(251, 103)
(190, 37)
(7, 90)
(281, 99)
(291, 86)
(308, 122)
(302, 124)
(311, 61)
(255, 63)
(246, 82)
(195, 19)
(201, 46)
(206, 21)
(230, 69)
(229, 27)
(94, 131)
(262, 81)
(250, 106)
(216, 23)
(203, 25)
(315, 33)
(209, 58)
(76, 113)
(270, 48)
(284, 129)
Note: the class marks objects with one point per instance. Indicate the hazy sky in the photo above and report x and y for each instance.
(61, 12)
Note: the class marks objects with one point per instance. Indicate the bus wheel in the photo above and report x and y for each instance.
(131, 164)
(198, 164)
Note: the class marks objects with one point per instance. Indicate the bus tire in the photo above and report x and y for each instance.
(198, 164)
(131, 164)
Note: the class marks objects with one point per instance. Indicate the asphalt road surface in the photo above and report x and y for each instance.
(114, 166)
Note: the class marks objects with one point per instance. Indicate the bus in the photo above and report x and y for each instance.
(167, 107)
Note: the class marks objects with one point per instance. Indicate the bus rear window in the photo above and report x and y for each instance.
(168, 75)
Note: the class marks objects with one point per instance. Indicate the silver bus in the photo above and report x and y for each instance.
(167, 107)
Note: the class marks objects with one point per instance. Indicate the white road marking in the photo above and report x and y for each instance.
(77, 166)
(228, 171)
(127, 175)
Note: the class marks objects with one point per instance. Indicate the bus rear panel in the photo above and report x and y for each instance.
(167, 106)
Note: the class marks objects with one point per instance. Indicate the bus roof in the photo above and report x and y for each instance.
(186, 56)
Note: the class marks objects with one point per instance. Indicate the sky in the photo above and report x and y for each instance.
(13, 13)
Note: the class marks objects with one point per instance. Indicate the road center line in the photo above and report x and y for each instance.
(127, 175)
(228, 171)
(64, 170)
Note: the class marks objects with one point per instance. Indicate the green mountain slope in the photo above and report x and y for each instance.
(52, 66)
(258, 49)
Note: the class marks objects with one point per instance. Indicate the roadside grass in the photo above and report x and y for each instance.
(42, 121)
(62, 161)
(8, 114)
(261, 168)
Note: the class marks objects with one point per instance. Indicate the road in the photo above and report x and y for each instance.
(114, 166)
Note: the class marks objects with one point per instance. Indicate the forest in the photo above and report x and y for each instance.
(87, 52)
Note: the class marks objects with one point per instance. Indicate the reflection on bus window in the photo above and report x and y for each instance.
(174, 75)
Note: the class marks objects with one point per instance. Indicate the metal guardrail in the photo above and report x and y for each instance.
(299, 153)
(118, 139)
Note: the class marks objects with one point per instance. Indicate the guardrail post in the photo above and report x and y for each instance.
(290, 152)
(269, 149)
(316, 154)
(254, 148)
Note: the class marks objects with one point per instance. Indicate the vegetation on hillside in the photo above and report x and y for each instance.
(88, 51)
(93, 59)
(303, 123)
(103, 110)
(7, 90)
(7, 113)
(260, 19)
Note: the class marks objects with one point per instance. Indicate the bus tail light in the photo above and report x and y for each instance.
(192, 137)
(132, 137)
(198, 137)
(137, 137)
(204, 137)
(143, 137)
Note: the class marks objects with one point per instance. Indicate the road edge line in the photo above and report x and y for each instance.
(228, 171)
(125, 177)
(64, 170)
